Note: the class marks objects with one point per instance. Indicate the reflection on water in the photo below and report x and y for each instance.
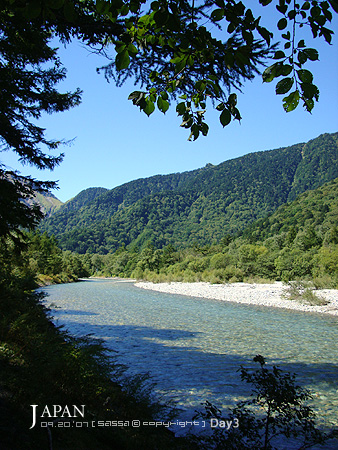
(193, 348)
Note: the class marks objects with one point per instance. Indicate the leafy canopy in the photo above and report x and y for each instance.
(196, 51)
(29, 72)
(188, 52)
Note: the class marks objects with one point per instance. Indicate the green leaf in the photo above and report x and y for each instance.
(302, 57)
(310, 91)
(204, 129)
(269, 73)
(286, 35)
(334, 5)
(181, 108)
(150, 108)
(232, 100)
(247, 36)
(282, 8)
(327, 34)
(311, 53)
(194, 132)
(138, 98)
(291, 101)
(229, 59)
(124, 10)
(200, 85)
(120, 47)
(132, 49)
(305, 76)
(225, 117)
(286, 69)
(217, 14)
(190, 60)
(292, 14)
(32, 11)
(177, 59)
(282, 24)
(309, 104)
(315, 11)
(122, 60)
(284, 85)
(279, 55)
(187, 122)
(231, 28)
(212, 88)
(236, 114)
(180, 62)
(164, 95)
(134, 95)
(162, 105)
(266, 35)
(161, 17)
(155, 6)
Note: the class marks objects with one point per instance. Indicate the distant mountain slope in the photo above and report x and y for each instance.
(108, 202)
(198, 206)
(316, 209)
(82, 199)
(318, 165)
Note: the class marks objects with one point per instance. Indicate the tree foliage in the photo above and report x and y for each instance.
(277, 408)
(197, 51)
(29, 73)
(181, 51)
(27, 90)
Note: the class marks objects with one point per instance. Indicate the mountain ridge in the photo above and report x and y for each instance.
(201, 205)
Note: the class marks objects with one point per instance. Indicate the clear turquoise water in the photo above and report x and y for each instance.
(193, 347)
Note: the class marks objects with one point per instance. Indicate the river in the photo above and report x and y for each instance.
(193, 347)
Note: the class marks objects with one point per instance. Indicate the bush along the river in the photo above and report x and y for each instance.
(275, 416)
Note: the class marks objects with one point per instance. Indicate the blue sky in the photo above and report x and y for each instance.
(115, 143)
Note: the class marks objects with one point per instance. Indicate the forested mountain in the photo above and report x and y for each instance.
(299, 241)
(82, 199)
(318, 165)
(314, 211)
(198, 206)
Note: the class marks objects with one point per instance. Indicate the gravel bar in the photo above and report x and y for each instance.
(272, 295)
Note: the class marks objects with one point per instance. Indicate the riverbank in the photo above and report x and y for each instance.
(42, 364)
(275, 295)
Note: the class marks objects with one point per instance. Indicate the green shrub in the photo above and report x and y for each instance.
(277, 407)
(303, 292)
